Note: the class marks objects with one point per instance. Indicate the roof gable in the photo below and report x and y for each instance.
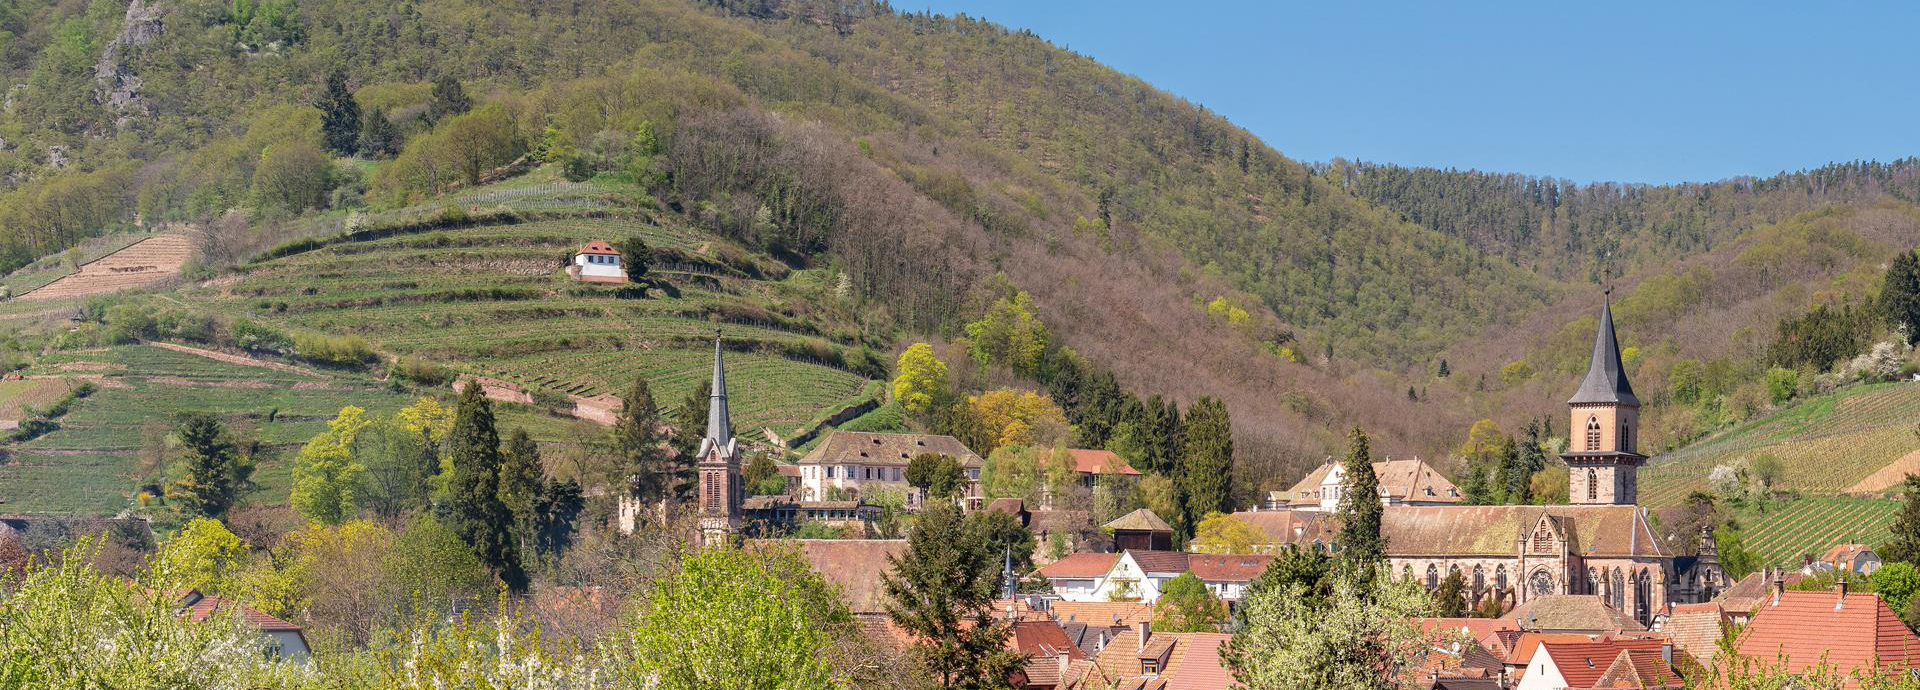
(871, 448)
(599, 247)
(1141, 520)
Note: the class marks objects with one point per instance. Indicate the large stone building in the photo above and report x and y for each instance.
(1402, 482)
(851, 464)
(1601, 545)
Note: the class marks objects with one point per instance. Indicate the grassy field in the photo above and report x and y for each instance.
(17, 398)
(1813, 524)
(495, 299)
(1827, 444)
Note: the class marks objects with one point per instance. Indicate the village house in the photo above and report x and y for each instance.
(1402, 482)
(597, 262)
(1140, 529)
(1140, 659)
(1607, 663)
(850, 464)
(1852, 633)
(283, 639)
(1139, 575)
(1858, 559)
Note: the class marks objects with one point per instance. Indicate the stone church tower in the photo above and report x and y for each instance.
(1603, 467)
(719, 463)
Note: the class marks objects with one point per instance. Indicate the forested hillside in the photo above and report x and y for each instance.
(937, 164)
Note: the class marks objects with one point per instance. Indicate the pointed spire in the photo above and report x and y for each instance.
(1606, 380)
(719, 422)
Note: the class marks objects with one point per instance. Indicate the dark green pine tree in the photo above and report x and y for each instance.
(1444, 372)
(690, 420)
(213, 472)
(1363, 551)
(339, 115)
(1900, 294)
(653, 471)
(521, 480)
(478, 514)
(941, 591)
(1206, 466)
(1306, 566)
(449, 99)
(1512, 479)
(1163, 436)
(379, 138)
(1904, 545)
(1450, 600)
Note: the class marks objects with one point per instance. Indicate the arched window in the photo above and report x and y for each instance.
(1593, 433)
(1593, 581)
(1642, 592)
(1593, 485)
(1500, 579)
(1619, 590)
(1433, 577)
(1406, 572)
(1479, 584)
(1625, 444)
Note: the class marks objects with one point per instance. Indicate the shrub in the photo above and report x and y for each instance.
(292, 177)
(1782, 384)
(341, 350)
(422, 372)
(256, 337)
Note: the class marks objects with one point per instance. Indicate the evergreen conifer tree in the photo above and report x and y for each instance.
(477, 513)
(1900, 294)
(379, 138)
(1206, 467)
(521, 480)
(941, 591)
(1904, 545)
(339, 115)
(652, 472)
(449, 99)
(1450, 600)
(213, 472)
(1363, 551)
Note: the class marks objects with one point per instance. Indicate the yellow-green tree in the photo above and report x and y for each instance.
(1008, 417)
(1223, 533)
(1009, 334)
(326, 478)
(204, 555)
(1186, 606)
(922, 379)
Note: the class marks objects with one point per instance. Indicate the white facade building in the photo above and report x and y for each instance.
(598, 262)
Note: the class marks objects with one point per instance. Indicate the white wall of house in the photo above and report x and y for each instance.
(1126, 581)
(1541, 672)
(602, 265)
(1076, 589)
(290, 644)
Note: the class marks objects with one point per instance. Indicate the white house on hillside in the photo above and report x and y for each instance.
(1139, 575)
(598, 262)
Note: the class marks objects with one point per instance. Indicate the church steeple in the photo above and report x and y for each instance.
(1603, 466)
(719, 421)
(1606, 380)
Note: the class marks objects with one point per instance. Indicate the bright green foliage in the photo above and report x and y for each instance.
(1905, 543)
(1735, 558)
(476, 512)
(1900, 294)
(326, 477)
(941, 591)
(428, 565)
(1685, 382)
(502, 652)
(1205, 477)
(1185, 605)
(1516, 371)
(211, 471)
(730, 618)
(1782, 384)
(1009, 334)
(920, 380)
(204, 555)
(762, 476)
(1896, 583)
(938, 475)
(292, 177)
(339, 115)
(1360, 638)
(1306, 571)
(521, 478)
(66, 625)
(1223, 533)
(457, 151)
(1363, 551)
(1009, 471)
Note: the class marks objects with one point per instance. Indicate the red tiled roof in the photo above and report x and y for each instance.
(1081, 565)
(1043, 638)
(1199, 667)
(1095, 461)
(204, 607)
(1160, 561)
(1582, 663)
(1521, 650)
(599, 247)
(1845, 551)
(1226, 567)
(1695, 629)
(1101, 613)
(857, 566)
(1850, 633)
(1639, 668)
(1480, 629)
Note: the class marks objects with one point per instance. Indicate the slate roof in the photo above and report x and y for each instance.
(1080, 566)
(1141, 519)
(1850, 633)
(1583, 663)
(874, 448)
(1571, 612)
(1606, 380)
(1595, 530)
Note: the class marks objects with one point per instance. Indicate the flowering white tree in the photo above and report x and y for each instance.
(1360, 638)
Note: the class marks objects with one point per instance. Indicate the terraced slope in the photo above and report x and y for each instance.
(1828, 444)
(1814, 524)
(143, 263)
(494, 300)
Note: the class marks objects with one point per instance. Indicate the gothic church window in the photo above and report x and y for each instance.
(1593, 485)
(1593, 433)
(1433, 577)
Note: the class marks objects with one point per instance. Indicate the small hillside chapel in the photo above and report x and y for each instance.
(1602, 544)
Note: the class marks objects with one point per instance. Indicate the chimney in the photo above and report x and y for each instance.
(1146, 628)
(1779, 585)
(1064, 661)
(1840, 586)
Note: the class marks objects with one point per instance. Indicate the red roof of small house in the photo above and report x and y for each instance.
(200, 608)
(1227, 567)
(1850, 633)
(1042, 638)
(1642, 669)
(1582, 663)
(1096, 461)
(1081, 565)
(599, 247)
(1845, 552)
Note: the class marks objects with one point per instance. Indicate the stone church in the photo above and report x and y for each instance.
(1601, 544)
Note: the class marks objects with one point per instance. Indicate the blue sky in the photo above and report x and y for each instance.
(1628, 91)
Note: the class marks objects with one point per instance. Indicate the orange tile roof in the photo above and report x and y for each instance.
(1525, 644)
(1199, 666)
(1227, 567)
(1101, 613)
(1582, 663)
(1850, 633)
(1696, 629)
(1640, 669)
(1482, 630)
(857, 566)
(1042, 638)
(599, 247)
(1845, 551)
(1095, 461)
(204, 607)
(1081, 565)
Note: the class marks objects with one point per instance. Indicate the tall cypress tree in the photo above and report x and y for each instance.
(1363, 551)
(653, 472)
(1205, 475)
(1904, 545)
(478, 514)
(339, 115)
(521, 480)
(1900, 294)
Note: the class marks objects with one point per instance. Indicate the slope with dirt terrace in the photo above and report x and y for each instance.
(144, 263)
